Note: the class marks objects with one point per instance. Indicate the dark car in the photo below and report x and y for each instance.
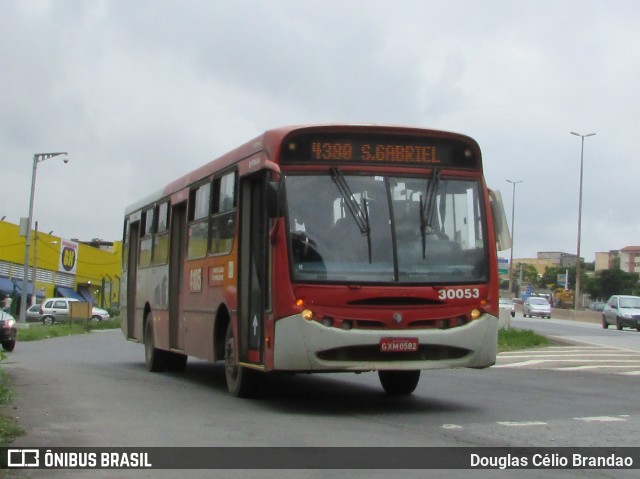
(7, 331)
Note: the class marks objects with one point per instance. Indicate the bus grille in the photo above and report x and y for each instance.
(425, 352)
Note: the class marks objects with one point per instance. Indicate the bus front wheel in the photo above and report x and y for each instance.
(399, 383)
(241, 381)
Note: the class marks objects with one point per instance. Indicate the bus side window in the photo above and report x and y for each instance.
(146, 242)
(198, 221)
(223, 214)
(161, 235)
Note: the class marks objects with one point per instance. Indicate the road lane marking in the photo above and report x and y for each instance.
(599, 419)
(540, 361)
(521, 423)
(587, 357)
(517, 365)
(564, 355)
(600, 366)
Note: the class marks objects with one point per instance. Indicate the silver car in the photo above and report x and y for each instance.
(56, 310)
(622, 311)
(507, 304)
(33, 313)
(536, 306)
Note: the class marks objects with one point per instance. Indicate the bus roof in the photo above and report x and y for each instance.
(270, 142)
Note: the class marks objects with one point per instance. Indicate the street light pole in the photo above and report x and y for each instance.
(513, 210)
(37, 158)
(34, 273)
(578, 291)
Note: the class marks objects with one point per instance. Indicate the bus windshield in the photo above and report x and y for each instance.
(385, 229)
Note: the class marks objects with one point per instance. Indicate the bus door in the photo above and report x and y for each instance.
(176, 273)
(132, 270)
(254, 279)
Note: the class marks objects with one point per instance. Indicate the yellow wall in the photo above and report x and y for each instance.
(96, 268)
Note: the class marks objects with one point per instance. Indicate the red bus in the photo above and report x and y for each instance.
(320, 249)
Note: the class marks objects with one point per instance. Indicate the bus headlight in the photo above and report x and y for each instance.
(307, 314)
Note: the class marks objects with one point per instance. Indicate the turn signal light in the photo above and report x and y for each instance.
(299, 302)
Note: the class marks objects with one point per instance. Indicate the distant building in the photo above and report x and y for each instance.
(607, 259)
(539, 264)
(59, 267)
(630, 259)
(564, 260)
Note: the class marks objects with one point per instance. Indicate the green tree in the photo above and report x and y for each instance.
(612, 281)
(530, 274)
(550, 277)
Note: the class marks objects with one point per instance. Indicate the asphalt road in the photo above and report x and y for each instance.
(585, 332)
(93, 390)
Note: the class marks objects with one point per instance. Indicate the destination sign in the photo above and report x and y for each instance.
(325, 150)
(376, 149)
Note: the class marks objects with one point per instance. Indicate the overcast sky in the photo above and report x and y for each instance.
(140, 92)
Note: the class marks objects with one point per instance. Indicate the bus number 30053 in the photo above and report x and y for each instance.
(458, 293)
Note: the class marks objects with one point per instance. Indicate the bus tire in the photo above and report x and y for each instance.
(399, 383)
(176, 362)
(241, 381)
(155, 358)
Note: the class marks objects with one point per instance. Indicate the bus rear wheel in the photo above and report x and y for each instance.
(155, 358)
(241, 381)
(399, 383)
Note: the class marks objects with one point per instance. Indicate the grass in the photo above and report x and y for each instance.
(9, 429)
(37, 331)
(515, 339)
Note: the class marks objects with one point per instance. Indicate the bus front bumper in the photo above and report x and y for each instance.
(309, 346)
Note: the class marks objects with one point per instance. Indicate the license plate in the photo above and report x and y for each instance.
(398, 345)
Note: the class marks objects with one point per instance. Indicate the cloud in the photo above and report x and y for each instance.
(140, 92)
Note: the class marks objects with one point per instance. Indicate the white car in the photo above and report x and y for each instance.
(506, 303)
(536, 306)
(56, 310)
(621, 311)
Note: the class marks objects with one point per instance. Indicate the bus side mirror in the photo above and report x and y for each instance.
(274, 209)
(500, 225)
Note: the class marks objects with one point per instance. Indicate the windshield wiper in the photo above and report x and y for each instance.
(427, 209)
(360, 213)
